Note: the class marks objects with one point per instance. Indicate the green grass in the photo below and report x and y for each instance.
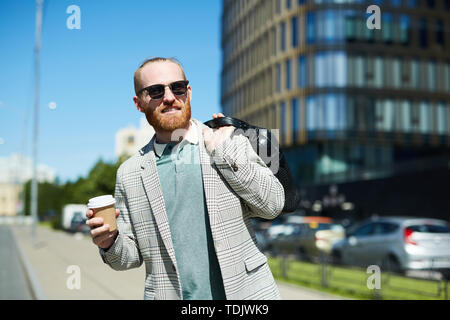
(352, 282)
(47, 224)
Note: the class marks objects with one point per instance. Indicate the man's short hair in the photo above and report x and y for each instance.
(137, 84)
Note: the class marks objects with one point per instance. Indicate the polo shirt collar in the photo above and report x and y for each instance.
(191, 137)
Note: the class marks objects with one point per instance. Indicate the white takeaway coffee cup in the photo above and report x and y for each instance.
(103, 206)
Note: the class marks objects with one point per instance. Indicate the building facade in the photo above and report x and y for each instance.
(15, 171)
(129, 140)
(352, 103)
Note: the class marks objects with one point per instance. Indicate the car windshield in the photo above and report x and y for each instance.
(430, 228)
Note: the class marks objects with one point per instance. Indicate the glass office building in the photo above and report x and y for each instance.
(352, 103)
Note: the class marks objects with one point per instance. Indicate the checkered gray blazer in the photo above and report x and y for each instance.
(238, 186)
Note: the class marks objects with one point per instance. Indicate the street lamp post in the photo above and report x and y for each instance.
(34, 184)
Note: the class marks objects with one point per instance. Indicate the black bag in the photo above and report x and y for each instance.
(267, 148)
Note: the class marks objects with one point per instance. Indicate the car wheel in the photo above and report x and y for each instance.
(301, 254)
(336, 258)
(392, 264)
(445, 274)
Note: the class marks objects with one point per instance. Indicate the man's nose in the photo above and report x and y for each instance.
(169, 97)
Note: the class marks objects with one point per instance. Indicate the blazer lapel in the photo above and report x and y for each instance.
(209, 176)
(152, 186)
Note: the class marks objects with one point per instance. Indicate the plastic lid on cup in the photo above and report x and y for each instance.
(102, 201)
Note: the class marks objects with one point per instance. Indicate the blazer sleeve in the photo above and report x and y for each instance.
(124, 253)
(249, 177)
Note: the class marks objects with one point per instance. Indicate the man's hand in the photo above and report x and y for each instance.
(100, 233)
(213, 138)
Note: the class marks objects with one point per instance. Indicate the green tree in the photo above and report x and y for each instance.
(52, 197)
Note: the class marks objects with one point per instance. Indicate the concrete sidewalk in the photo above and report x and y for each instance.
(58, 257)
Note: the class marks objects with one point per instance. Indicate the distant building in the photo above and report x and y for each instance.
(129, 140)
(16, 170)
(10, 203)
(358, 108)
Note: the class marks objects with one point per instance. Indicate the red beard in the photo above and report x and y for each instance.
(161, 122)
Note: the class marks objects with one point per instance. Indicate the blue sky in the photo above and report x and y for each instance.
(88, 73)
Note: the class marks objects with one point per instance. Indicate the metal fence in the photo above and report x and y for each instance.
(358, 282)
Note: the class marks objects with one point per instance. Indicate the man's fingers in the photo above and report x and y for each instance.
(117, 213)
(95, 222)
(89, 214)
(96, 232)
(218, 115)
(103, 238)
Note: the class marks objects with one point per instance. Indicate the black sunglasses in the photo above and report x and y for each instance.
(157, 91)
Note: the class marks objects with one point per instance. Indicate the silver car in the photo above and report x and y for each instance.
(397, 244)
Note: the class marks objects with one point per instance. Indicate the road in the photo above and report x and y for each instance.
(68, 267)
(13, 278)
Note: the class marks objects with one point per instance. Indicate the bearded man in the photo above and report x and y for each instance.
(185, 201)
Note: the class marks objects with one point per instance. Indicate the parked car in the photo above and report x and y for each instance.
(397, 244)
(309, 237)
(69, 212)
(78, 223)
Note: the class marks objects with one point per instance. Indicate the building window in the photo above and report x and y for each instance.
(423, 33)
(440, 32)
(278, 6)
(331, 110)
(295, 127)
(431, 75)
(396, 73)
(310, 113)
(360, 71)
(288, 74)
(278, 77)
(447, 77)
(405, 29)
(283, 121)
(384, 115)
(302, 76)
(274, 41)
(283, 37)
(330, 69)
(294, 25)
(441, 118)
(350, 26)
(330, 25)
(405, 116)
(320, 70)
(387, 27)
(424, 117)
(310, 27)
(415, 77)
(340, 65)
(379, 72)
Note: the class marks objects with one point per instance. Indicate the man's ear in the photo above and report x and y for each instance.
(137, 103)
(190, 93)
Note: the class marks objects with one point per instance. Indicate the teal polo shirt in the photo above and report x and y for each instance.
(181, 181)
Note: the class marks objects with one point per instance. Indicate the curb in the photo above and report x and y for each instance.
(313, 291)
(33, 282)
